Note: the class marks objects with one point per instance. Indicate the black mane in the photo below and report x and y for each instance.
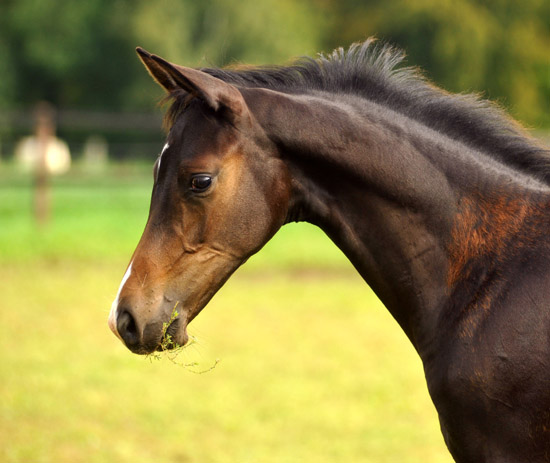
(374, 71)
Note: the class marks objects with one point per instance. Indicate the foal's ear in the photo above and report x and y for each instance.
(214, 92)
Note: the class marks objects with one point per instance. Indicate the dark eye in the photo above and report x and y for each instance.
(200, 183)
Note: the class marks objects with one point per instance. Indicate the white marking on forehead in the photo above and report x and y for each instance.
(114, 306)
(161, 153)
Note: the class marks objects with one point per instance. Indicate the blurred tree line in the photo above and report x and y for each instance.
(81, 54)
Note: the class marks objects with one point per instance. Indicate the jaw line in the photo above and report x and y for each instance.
(188, 308)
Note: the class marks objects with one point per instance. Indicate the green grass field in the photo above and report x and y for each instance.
(312, 367)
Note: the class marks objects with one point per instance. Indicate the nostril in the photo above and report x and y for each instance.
(126, 326)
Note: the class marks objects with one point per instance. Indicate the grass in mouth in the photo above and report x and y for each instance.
(171, 350)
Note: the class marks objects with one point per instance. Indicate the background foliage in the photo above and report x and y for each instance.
(80, 54)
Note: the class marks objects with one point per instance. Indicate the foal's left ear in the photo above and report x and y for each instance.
(214, 92)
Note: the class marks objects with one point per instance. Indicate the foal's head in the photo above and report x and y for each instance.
(219, 194)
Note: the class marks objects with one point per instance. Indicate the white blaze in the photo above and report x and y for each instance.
(160, 157)
(114, 306)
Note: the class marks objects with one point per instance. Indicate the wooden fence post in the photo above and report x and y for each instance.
(44, 131)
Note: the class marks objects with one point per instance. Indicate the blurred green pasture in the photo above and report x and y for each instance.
(312, 367)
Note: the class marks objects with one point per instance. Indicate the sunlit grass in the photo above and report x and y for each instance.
(310, 371)
(312, 367)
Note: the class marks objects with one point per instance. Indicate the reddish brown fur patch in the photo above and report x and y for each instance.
(489, 231)
(487, 227)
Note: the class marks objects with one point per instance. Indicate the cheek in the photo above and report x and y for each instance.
(194, 226)
(245, 216)
(240, 222)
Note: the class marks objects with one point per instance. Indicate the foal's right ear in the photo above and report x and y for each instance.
(213, 91)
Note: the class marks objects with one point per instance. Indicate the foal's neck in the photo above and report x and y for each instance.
(364, 180)
(386, 189)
